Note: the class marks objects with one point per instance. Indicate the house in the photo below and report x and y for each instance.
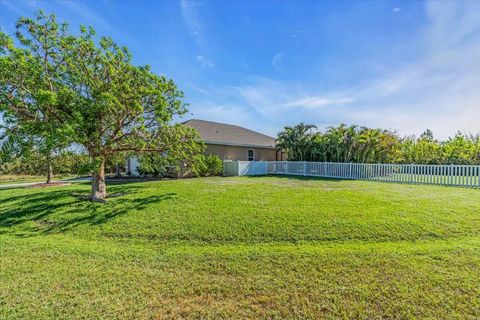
(229, 142)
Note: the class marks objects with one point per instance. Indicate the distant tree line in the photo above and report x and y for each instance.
(344, 143)
(67, 162)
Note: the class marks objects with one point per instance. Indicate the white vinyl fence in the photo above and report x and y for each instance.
(449, 175)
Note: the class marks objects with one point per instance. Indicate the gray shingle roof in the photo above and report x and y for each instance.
(227, 134)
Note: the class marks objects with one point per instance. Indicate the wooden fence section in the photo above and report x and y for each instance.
(448, 175)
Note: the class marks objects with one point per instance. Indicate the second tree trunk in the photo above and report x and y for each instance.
(99, 189)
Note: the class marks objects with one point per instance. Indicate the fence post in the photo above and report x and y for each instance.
(478, 171)
(304, 168)
(450, 175)
(412, 177)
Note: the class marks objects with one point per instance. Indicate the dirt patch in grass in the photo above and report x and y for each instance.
(48, 185)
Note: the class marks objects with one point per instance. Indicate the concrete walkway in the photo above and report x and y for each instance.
(26, 184)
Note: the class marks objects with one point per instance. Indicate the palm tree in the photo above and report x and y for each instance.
(336, 142)
(370, 139)
(285, 142)
(339, 144)
(296, 141)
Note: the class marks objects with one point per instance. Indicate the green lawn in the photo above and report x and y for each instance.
(264, 247)
(12, 179)
(9, 179)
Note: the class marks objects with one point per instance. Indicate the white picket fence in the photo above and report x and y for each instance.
(448, 175)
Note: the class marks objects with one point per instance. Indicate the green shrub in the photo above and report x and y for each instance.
(214, 165)
(204, 166)
(152, 164)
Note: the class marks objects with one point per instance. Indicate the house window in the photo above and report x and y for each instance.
(251, 155)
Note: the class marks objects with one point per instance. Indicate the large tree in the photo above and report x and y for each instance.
(64, 88)
(120, 107)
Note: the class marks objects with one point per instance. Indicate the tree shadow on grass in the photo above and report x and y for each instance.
(59, 211)
(299, 177)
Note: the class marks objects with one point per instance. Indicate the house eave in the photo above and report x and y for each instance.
(238, 145)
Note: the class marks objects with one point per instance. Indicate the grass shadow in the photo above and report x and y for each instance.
(59, 211)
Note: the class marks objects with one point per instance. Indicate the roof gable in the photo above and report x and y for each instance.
(221, 133)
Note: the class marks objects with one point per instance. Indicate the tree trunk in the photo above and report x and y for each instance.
(117, 171)
(99, 189)
(49, 171)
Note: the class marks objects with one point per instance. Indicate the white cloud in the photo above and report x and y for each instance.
(197, 88)
(269, 97)
(318, 102)
(88, 16)
(397, 9)
(244, 64)
(452, 24)
(80, 10)
(439, 90)
(192, 20)
(204, 62)
(277, 59)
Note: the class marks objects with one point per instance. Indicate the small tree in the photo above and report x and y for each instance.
(32, 95)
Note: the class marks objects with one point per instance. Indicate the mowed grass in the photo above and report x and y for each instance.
(263, 247)
(13, 179)
(8, 179)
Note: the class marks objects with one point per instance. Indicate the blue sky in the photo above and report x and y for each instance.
(400, 65)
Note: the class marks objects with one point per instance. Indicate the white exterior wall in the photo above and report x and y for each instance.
(132, 164)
